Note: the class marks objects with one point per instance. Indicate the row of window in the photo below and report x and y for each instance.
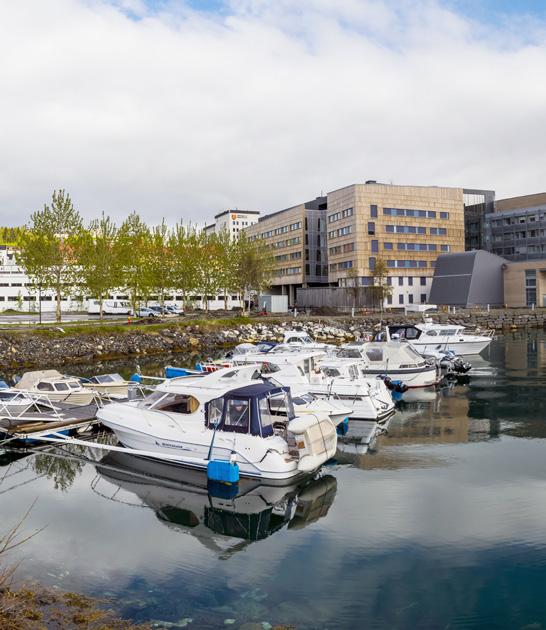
(332, 218)
(292, 256)
(339, 249)
(407, 264)
(346, 264)
(340, 231)
(423, 298)
(288, 271)
(414, 229)
(526, 218)
(409, 280)
(282, 230)
(287, 243)
(406, 212)
(418, 247)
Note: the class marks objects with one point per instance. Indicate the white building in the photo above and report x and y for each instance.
(234, 221)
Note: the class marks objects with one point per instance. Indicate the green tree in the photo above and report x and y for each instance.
(158, 262)
(47, 247)
(132, 241)
(184, 245)
(209, 266)
(381, 288)
(252, 267)
(98, 257)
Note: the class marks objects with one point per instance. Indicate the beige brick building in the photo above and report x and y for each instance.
(525, 283)
(406, 226)
(337, 238)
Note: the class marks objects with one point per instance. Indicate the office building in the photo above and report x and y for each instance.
(297, 239)
(233, 221)
(517, 229)
(477, 204)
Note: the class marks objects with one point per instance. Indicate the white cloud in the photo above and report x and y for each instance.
(182, 114)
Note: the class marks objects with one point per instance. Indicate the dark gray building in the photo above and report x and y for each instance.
(468, 279)
(517, 230)
(477, 203)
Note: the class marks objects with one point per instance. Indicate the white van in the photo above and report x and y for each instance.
(110, 307)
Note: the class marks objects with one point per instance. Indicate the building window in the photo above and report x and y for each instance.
(438, 231)
(348, 247)
(423, 298)
(371, 263)
(530, 287)
(400, 281)
(375, 246)
(410, 298)
(445, 248)
(371, 228)
(373, 211)
(401, 299)
(347, 264)
(410, 281)
(389, 299)
(387, 245)
(389, 281)
(444, 215)
(423, 281)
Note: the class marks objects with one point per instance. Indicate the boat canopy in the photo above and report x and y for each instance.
(252, 409)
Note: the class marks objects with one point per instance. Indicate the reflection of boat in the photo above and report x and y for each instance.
(182, 499)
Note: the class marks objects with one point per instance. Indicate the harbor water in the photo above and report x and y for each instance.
(442, 524)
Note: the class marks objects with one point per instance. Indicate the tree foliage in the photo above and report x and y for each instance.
(47, 247)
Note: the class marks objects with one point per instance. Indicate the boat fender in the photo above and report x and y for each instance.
(343, 427)
(223, 470)
(135, 378)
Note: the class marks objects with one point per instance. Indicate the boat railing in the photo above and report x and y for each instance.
(36, 402)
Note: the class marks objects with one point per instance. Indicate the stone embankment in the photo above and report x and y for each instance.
(18, 349)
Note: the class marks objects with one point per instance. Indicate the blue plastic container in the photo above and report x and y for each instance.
(223, 470)
(343, 427)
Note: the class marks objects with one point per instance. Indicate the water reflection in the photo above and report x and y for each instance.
(214, 513)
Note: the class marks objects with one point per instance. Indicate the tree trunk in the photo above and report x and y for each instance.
(225, 300)
(58, 304)
(101, 312)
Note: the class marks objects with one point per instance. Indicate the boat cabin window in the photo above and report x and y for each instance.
(303, 399)
(237, 416)
(406, 333)
(331, 372)
(45, 387)
(178, 403)
(375, 354)
(353, 371)
(449, 331)
(61, 387)
(432, 333)
(214, 412)
(73, 384)
(269, 368)
(349, 353)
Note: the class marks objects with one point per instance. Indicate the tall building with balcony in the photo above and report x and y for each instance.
(517, 230)
(296, 237)
(405, 226)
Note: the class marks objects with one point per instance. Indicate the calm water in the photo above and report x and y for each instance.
(443, 525)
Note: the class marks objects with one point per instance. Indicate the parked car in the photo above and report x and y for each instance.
(145, 311)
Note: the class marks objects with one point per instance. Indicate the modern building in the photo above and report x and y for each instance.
(517, 229)
(337, 239)
(407, 227)
(234, 221)
(477, 204)
(525, 284)
(468, 279)
(297, 239)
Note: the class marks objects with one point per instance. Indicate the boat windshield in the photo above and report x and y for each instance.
(375, 354)
(349, 353)
(237, 416)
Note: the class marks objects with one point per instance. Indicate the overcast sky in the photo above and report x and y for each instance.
(183, 109)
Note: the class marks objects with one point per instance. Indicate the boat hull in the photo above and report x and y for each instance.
(462, 348)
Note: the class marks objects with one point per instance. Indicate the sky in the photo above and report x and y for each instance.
(184, 108)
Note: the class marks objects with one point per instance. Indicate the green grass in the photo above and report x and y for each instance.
(97, 328)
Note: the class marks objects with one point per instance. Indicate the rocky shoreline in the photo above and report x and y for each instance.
(26, 350)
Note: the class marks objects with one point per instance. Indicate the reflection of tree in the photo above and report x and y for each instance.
(62, 470)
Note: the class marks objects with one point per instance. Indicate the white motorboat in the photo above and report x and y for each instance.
(110, 385)
(192, 421)
(303, 341)
(337, 382)
(396, 359)
(428, 337)
(55, 387)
